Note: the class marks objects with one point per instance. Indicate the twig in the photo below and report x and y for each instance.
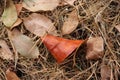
(84, 71)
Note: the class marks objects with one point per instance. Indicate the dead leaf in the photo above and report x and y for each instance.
(5, 52)
(18, 8)
(95, 48)
(39, 24)
(71, 2)
(36, 5)
(105, 72)
(23, 44)
(70, 23)
(18, 21)
(10, 14)
(11, 75)
(118, 27)
(60, 48)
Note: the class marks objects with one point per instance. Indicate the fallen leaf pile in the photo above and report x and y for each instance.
(60, 44)
(40, 25)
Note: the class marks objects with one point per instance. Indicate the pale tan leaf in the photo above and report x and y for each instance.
(118, 27)
(105, 72)
(10, 14)
(5, 52)
(18, 21)
(39, 24)
(36, 5)
(70, 23)
(71, 2)
(95, 48)
(11, 75)
(23, 44)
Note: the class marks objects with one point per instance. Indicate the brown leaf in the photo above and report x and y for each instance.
(18, 21)
(18, 8)
(11, 75)
(105, 72)
(36, 5)
(39, 24)
(95, 48)
(5, 52)
(70, 23)
(118, 27)
(23, 44)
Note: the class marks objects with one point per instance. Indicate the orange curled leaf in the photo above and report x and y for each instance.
(60, 48)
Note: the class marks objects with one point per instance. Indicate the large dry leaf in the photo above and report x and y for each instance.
(36, 5)
(5, 52)
(70, 23)
(118, 27)
(23, 44)
(39, 24)
(95, 48)
(105, 72)
(10, 14)
(10, 75)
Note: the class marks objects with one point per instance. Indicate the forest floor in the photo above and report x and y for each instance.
(76, 67)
